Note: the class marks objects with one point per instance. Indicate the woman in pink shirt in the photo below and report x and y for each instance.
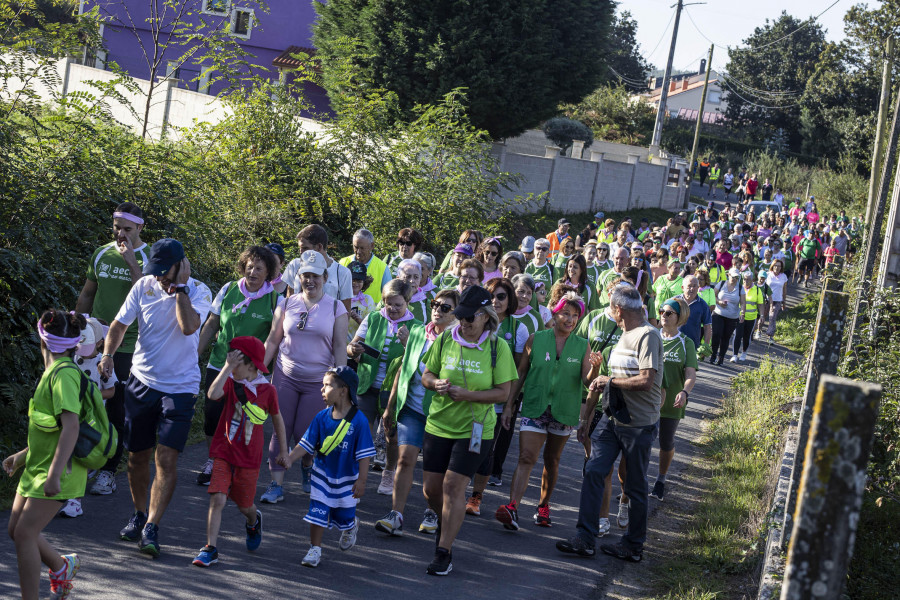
(309, 335)
(489, 254)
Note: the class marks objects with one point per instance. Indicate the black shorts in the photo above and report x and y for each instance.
(667, 429)
(440, 454)
(152, 414)
(806, 264)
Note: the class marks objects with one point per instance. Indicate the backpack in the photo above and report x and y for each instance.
(97, 438)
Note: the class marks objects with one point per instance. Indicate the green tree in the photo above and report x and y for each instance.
(517, 59)
(562, 132)
(613, 115)
(626, 65)
(765, 79)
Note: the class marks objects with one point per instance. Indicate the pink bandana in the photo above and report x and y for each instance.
(250, 296)
(431, 331)
(418, 296)
(56, 344)
(128, 217)
(459, 339)
(393, 325)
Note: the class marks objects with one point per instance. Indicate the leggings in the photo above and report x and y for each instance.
(502, 439)
(774, 311)
(298, 403)
(743, 335)
(722, 328)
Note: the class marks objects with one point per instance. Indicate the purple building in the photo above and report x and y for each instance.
(269, 38)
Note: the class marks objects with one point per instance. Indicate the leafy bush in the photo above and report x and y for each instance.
(562, 132)
(613, 116)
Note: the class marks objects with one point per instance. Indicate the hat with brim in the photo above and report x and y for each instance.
(349, 378)
(527, 244)
(472, 300)
(358, 271)
(312, 262)
(164, 254)
(463, 249)
(252, 348)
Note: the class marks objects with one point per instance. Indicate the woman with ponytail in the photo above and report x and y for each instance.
(50, 476)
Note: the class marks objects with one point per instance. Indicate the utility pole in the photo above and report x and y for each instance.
(702, 106)
(664, 93)
(881, 130)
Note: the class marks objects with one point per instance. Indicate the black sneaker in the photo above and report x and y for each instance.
(659, 490)
(150, 540)
(576, 545)
(132, 531)
(508, 514)
(205, 474)
(712, 359)
(621, 552)
(441, 565)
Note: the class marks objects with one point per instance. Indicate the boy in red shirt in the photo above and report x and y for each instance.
(237, 446)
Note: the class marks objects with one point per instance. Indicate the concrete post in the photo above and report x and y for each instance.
(834, 477)
(633, 160)
(499, 151)
(171, 84)
(67, 69)
(551, 151)
(596, 156)
(824, 358)
(577, 148)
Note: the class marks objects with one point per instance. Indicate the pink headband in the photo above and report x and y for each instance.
(128, 217)
(55, 343)
(563, 301)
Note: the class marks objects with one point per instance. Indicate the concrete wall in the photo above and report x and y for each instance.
(596, 181)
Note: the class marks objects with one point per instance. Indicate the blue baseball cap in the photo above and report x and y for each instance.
(164, 254)
(350, 379)
(277, 249)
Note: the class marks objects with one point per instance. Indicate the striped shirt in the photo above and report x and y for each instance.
(639, 349)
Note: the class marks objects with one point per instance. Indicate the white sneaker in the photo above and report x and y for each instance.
(757, 335)
(743, 356)
(391, 524)
(604, 526)
(622, 516)
(71, 509)
(313, 557)
(348, 538)
(430, 522)
(734, 358)
(105, 484)
(386, 487)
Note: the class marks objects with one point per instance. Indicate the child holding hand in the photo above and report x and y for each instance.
(237, 446)
(341, 443)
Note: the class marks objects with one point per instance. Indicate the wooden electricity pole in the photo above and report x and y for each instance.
(702, 106)
(881, 130)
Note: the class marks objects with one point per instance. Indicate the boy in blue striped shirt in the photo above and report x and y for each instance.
(341, 444)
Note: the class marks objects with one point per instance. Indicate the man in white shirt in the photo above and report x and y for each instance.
(169, 307)
(339, 284)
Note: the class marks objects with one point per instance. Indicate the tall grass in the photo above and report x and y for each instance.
(741, 448)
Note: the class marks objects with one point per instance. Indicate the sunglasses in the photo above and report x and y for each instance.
(666, 313)
(471, 318)
(404, 243)
(444, 308)
(491, 253)
(541, 248)
(501, 296)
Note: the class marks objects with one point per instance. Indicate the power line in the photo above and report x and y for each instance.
(776, 95)
(661, 38)
(628, 80)
(703, 35)
(750, 102)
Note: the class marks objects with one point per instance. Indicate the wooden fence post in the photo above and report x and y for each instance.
(831, 489)
(824, 357)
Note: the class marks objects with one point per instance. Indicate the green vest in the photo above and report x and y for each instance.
(375, 335)
(714, 173)
(375, 269)
(421, 310)
(412, 358)
(254, 320)
(507, 332)
(554, 382)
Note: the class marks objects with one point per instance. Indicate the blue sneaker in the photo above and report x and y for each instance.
(307, 478)
(208, 556)
(254, 533)
(150, 540)
(132, 531)
(274, 493)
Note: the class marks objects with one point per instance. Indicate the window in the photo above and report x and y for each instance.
(216, 7)
(242, 22)
(714, 97)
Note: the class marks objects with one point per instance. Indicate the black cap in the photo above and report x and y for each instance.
(276, 249)
(163, 256)
(472, 300)
(563, 221)
(357, 270)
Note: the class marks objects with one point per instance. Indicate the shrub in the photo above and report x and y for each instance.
(562, 132)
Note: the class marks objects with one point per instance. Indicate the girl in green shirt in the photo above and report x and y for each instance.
(50, 476)
(553, 370)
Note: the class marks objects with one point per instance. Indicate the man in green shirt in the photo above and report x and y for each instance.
(111, 272)
(807, 250)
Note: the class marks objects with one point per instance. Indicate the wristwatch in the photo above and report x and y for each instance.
(182, 288)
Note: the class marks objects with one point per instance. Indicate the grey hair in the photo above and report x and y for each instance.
(409, 262)
(626, 297)
(517, 256)
(523, 278)
(426, 259)
(364, 234)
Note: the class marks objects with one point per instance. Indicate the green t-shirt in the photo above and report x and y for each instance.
(112, 275)
(531, 320)
(807, 248)
(469, 368)
(679, 353)
(666, 288)
(541, 273)
(44, 410)
(603, 282)
(447, 281)
(596, 327)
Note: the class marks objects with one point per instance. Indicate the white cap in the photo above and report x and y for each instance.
(312, 262)
(90, 336)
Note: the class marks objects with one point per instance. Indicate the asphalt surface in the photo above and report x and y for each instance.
(488, 561)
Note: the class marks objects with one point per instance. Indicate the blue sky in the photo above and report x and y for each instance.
(725, 22)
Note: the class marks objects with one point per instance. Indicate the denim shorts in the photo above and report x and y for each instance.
(410, 428)
(151, 415)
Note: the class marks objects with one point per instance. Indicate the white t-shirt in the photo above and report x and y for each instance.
(777, 283)
(339, 284)
(164, 359)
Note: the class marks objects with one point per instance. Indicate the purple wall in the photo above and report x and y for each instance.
(287, 23)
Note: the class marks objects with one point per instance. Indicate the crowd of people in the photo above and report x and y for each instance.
(366, 363)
